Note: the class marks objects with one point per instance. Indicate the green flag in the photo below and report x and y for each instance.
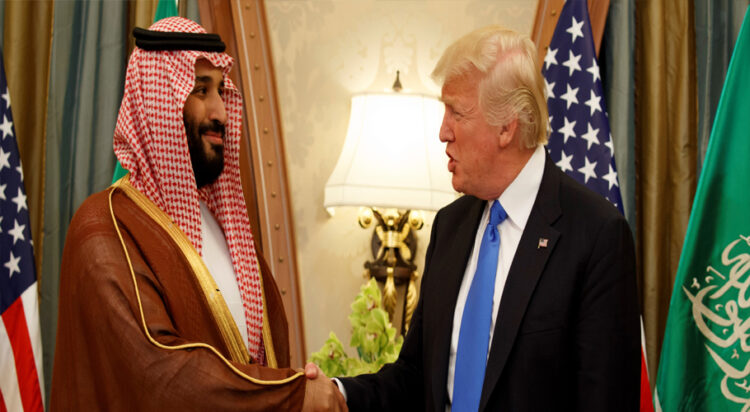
(705, 360)
(165, 8)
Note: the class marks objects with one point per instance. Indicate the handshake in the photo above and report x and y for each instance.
(321, 393)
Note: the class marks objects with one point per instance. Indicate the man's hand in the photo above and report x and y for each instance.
(312, 371)
(321, 394)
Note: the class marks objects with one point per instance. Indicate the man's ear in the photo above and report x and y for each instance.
(507, 132)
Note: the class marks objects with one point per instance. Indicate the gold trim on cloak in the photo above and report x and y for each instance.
(216, 303)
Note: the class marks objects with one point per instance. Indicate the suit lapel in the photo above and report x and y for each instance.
(450, 269)
(525, 271)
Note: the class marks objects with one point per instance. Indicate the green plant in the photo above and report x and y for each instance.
(372, 335)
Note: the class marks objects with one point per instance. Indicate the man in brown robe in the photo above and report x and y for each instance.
(164, 302)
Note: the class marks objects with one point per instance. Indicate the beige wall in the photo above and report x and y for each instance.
(324, 51)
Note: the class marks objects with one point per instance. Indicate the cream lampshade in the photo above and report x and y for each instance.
(392, 156)
(394, 166)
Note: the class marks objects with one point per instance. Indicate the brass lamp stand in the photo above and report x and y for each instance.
(393, 249)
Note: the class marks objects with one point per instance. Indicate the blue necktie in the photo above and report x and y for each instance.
(474, 336)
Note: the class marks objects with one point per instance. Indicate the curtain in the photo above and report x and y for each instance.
(2, 21)
(717, 24)
(87, 71)
(616, 60)
(140, 14)
(666, 140)
(191, 10)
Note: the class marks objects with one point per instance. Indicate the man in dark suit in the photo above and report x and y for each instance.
(528, 300)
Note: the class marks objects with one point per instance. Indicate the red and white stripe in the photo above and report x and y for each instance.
(21, 355)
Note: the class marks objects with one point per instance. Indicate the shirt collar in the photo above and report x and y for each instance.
(519, 197)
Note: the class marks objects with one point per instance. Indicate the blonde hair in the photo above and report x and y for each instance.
(511, 86)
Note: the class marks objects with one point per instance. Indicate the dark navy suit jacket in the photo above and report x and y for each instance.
(567, 335)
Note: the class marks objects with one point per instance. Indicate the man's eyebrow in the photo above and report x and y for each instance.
(204, 79)
(207, 80)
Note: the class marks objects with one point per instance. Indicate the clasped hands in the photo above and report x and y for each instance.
(321, 393)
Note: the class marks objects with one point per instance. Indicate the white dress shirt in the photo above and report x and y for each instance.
(517, 200)
(219, 263)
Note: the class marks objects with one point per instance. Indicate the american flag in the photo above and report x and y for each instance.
(580, 142)
(20, 337)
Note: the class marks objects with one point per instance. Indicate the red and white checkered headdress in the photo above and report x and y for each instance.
(150, 141)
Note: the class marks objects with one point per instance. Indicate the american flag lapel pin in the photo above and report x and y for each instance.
(542, 243)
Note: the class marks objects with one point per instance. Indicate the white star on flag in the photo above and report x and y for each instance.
(594, 102)
(590, 136)
(20, 201)
(610, 146)
(550, 58)
(572, 63)
(17, 232)
(594, 70)
(611, 177)
(575, 29)
(6, 127)
(12, 264)
(4, 156)
(548, 87)
(6, 97)
(570, 96)
(588, 170)
(2, 191)
(564, 163)
(567, 130)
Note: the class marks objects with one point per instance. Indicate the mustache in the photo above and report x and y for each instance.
(213, 126)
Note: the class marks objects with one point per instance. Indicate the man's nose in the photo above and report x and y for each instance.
(446, 133)
(216, 109)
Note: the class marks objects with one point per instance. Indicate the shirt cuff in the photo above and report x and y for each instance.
(340, 386)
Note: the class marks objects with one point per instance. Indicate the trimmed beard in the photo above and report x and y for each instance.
(206, 168)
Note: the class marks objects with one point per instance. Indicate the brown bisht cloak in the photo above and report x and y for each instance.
(156, 335)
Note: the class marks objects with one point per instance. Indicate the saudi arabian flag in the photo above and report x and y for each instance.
(164, 9)
(705, 360)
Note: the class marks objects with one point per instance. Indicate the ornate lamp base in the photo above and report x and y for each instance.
(393, 249)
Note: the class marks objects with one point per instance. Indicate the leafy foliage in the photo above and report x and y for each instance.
(372, 335)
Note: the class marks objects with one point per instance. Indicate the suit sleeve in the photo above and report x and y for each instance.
(397, 386)
(607, 343)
